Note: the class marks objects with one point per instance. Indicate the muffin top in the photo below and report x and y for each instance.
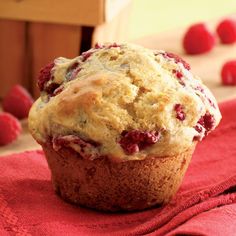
(124, 102)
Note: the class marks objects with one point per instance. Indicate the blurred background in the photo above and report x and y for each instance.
(33, 33)
(155, 16)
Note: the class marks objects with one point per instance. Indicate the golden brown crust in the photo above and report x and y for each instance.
(109, 186)
(124, 88)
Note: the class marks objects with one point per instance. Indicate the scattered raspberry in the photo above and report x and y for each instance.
(114, 45)
(86, 55)
(207, 121)
(10, 128)
(179, 76)
(226, 31)
(57, 91)
(17, 102)
(135, 140)
(65, 140)
(88, 149)
(228, 73)
(201, 89)
(45, 76)
(211, 103)
(180, 115)
(51, 87)
(73, 67)
(72, 71)
(98, 46)
(198, 39)
(131, 148)
(198, 128)
(178, 59)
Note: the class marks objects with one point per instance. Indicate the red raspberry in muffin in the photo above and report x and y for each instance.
(45, 75)
(179, 109)
(178, 59)
(135, 140)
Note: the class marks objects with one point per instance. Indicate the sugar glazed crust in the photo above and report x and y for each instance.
(124, 102)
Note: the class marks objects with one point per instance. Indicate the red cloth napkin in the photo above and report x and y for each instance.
(204, 205)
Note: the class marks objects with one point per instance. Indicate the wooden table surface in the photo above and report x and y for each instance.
(207, 66)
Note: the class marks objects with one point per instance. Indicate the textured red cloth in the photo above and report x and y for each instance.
(204, 205)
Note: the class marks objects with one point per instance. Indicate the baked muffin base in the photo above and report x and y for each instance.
(106, 185)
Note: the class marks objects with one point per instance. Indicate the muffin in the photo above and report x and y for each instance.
(119, 124)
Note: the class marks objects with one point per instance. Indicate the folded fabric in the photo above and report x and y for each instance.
(204, 205)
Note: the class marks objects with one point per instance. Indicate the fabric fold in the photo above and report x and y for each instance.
(186, 208)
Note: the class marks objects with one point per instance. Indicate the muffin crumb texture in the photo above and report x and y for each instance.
(124, 102)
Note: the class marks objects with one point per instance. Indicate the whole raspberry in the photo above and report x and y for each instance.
(10, 128)
(226, 31)
(228, 73)
(17, 102)
(198, 39)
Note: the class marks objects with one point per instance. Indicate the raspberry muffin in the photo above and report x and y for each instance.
(119, 124)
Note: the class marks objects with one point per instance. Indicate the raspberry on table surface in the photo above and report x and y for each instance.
(17, 102)
(228, 73)
(10, 128)
(198, 39)
(226, 31)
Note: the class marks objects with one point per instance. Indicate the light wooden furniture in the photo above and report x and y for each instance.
(33, 33)
(12, 52)
(207, 66)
